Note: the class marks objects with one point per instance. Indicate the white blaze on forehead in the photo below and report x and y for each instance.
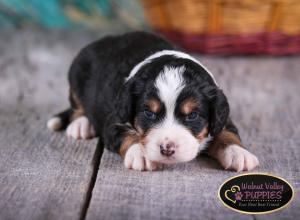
(169, 84)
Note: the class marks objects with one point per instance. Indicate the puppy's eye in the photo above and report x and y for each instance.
(192, 116)
(150, 115)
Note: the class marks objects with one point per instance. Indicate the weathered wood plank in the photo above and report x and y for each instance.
(264, 105)
(43, 175)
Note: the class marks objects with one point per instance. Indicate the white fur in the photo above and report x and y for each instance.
(177, 54)
(54, 123)
(187, 146)
(81, 128)
(234, 157)
(136, 160)
(169, 84)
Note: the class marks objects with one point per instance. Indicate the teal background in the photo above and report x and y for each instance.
(71, 13)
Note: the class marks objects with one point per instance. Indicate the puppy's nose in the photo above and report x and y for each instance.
(167, 149)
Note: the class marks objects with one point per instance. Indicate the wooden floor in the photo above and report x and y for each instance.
(44, 175)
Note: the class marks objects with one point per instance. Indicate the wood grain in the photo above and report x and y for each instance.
(43, 175)
(264, 103)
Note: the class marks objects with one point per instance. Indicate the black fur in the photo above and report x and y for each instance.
(65, 117)
(97, 77)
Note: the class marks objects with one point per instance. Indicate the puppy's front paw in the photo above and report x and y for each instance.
(135, 159)
(81, 128)
(234, 157)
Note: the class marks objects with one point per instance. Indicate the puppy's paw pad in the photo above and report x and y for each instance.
(236, 158)
(81, 128)
(135, 159)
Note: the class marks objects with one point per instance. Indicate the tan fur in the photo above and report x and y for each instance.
(188, 106)
(228, 150)
(222, 140)
(138, 128)
(154, 105)
(130, 139)
(203, 134)
(77, 107)
(141, 133)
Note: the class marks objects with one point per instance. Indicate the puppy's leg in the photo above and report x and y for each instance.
(132, 151)
(227, 148)
(80, 126)
(72, 119)
(60, 121)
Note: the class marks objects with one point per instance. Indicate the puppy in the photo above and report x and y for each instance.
(150, 103)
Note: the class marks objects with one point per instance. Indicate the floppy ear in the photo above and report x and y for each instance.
(219, 108)
(124, 107)
(116, 125)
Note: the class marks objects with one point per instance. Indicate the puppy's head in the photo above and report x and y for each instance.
(175, 106)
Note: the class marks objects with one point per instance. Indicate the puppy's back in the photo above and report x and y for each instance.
(99, 70)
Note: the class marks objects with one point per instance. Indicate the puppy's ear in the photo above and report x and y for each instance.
(125, 104)
(219, 108)
(119, 122)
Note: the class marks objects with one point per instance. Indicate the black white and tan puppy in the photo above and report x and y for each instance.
(150, 103)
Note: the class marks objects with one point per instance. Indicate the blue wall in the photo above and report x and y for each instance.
(70, 13)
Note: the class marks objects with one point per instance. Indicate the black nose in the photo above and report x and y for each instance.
(167, 149)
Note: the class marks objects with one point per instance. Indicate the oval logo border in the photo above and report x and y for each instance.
(256, 213)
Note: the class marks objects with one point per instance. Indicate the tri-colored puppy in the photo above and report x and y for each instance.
(151, 103)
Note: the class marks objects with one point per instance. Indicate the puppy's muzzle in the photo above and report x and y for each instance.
(167, 149)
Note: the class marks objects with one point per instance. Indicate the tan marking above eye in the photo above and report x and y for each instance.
(154, 105)
(188, 105)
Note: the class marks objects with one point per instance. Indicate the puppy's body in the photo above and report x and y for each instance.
(150, 103)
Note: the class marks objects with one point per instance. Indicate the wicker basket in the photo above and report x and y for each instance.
(228, 26)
